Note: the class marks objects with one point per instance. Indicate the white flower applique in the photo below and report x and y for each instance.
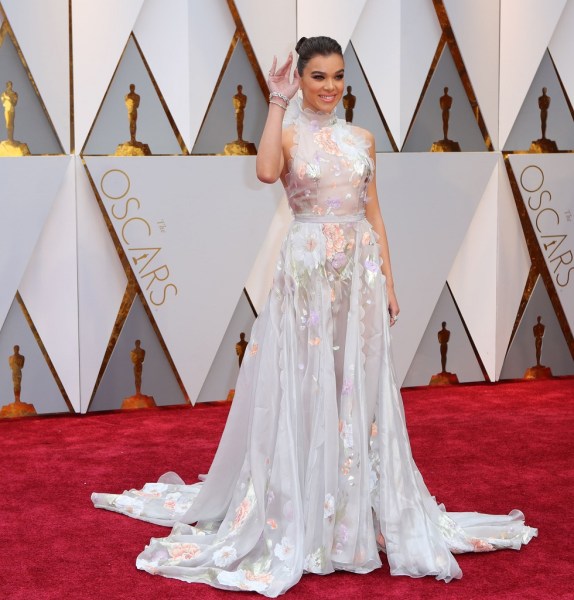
(328, 506)
(224, 556)
(308, 247)
(314, 562)
(244, 579)
(285, 550)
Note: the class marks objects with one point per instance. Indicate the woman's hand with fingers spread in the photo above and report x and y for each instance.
(280, 78)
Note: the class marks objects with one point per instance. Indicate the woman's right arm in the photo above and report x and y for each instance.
(270, 161)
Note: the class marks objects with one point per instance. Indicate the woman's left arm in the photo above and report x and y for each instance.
(373, 214)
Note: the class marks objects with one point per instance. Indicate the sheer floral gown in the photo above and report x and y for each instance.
(314, 470)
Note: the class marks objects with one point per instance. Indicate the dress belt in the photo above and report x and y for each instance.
(330, 218)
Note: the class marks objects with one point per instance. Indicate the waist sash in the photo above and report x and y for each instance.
(354, 218)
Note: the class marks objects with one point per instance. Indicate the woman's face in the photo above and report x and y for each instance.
(323, 82)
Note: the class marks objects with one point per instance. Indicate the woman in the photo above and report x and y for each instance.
(314, 470)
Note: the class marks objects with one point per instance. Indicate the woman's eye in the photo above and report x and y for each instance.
(339, 77)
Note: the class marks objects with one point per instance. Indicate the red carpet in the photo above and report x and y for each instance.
(489, 448)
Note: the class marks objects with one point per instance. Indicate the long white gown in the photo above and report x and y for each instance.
(314, 470)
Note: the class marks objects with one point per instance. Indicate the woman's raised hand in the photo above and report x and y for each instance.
(279, 78)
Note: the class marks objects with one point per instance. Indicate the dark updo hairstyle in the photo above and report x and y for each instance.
(307, 48)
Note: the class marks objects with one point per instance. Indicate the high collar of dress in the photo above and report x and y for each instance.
(314, 120)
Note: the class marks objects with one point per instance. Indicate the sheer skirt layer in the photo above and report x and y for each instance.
(314, 471)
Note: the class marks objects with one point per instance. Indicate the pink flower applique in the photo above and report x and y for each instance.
(324, 139)
(184, 551)
(241, 514)
(335, 239)
(481, 545)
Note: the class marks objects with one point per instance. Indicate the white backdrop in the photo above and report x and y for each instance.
(96, 249)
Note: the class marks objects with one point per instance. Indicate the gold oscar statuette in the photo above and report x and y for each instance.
(17, 408)
(240, 348)
(239, 147)
(538, 371)
(349, 102)
(543, 144)
(132, 147)
(444, 377)
(445, 145)
(10, 146)
(138, 400)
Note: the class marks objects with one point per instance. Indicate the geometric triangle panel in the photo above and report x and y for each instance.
(224, 369)
(526, 28)
(157, 376)
(130, 113)
(428, 201)
(365, 111)
(191, 249)
(445, 112)
(30, 186)
(29, 122)
(545, 182)
(475, 26)
(460, 357)
(100, 32)
(221, 125)
(522, 351)
(49, 287)
(43, 28)
(269, 41)
(38, 386)
(545, 100)
(473, 276)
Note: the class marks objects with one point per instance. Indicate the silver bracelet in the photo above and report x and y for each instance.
(277, 104)
(279, 95)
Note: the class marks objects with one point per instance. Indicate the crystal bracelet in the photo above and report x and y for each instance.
(279, 95)
(277, 104)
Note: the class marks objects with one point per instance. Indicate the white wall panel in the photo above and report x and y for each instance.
(476, 29)
(191, 229)
(334, 18)
(101, 284)
(271, 28)
(513, 266)
(562, 47)
(526, 28)
(420, 34)
(46, 34)
(472, 278)
(176, 44)
(29, 189)
(49, 287)
(545, 183)
(163, 36)
(428, 201)
(377, 42)
(100, 31)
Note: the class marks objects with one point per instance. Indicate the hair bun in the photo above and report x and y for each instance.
(299, 44)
